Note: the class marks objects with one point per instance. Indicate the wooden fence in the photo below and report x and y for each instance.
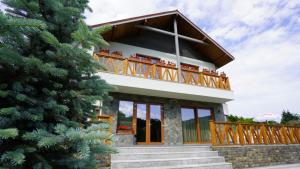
(108, 119)
(125, 66)
(226, 133)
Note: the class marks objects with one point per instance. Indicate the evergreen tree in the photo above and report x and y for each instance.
(287, 116)
(48, 86)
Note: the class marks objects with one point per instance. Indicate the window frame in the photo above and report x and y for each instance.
(129, 131)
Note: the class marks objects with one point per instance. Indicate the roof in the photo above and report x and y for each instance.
(164, 20)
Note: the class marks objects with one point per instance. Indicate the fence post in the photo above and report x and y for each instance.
(284, 135)
(125, 66)
(240, 133)
(263, 130)
(212, 132)
(298, 134)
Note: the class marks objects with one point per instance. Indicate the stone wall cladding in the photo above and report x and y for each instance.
(172, 120)
(124, 140)
(259, 155)
(172, 115)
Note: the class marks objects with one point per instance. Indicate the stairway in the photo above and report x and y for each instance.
(162, 157)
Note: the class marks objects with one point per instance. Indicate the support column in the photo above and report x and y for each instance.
(177, 50)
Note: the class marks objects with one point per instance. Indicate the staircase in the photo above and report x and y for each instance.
(162, 157)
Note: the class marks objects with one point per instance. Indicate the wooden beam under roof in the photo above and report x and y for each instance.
(170, 34)
(126, 27)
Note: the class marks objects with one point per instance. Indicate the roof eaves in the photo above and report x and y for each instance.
(138, 18)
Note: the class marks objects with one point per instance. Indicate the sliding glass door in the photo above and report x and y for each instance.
(204, 115)
(189, 125)
(195, 125)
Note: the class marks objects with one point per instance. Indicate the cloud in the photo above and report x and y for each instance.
(109, 10)
(267, 117)
(263, 35)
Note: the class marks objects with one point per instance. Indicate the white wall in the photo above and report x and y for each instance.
(128, 50)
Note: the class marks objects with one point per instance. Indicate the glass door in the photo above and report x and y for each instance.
(149, 122)
(141, 123)
(189, 126)
(195, 125)
(155, 123)
(204, 115)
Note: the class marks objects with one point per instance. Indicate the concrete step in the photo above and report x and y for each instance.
(150, 149)
(162, 155)
(120, 164)
(197, 166)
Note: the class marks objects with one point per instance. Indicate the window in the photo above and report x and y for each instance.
(195, 125)
(125, 113)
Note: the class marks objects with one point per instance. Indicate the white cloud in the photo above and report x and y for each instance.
(109, 10)
(267, 117)
(263, 35)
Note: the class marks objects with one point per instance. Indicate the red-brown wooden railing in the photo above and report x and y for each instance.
(227, 133)
(130, 67)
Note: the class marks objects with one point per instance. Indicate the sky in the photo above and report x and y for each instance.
(262, 35)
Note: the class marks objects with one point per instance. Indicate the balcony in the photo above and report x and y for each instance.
(210, 85)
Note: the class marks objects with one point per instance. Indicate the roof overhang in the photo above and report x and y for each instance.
(128, 27)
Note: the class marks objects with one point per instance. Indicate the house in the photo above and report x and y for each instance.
(166, 72)
(169, 109)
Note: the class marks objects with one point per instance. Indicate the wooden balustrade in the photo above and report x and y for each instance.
(109, 120)
(137, 68)
(226, 133)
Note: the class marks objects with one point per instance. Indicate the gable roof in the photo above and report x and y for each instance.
(164, 20)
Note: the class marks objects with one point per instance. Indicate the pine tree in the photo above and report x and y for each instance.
(48, 86)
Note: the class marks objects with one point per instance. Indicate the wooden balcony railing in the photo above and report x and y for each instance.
(226, 133)
(143, 69)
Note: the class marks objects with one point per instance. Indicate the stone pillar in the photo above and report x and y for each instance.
(111, 108)
(219, 112)
(172, 122)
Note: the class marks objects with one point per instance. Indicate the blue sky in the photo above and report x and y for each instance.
(263, 35)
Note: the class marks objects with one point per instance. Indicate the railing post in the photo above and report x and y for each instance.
(125, 66)
(284, 135)
(227, 83)
(240, 133)
(95, 56)
(201, 79)
(212, 132)
(298, 134)
(264, 134)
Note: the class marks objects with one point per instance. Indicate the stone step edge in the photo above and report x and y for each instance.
(156, 153)
(155, 147)
(185, 166)
(168, 159)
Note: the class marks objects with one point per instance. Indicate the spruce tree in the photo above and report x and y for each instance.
(48, 86)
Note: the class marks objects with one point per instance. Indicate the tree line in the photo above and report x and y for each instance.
(287, 118)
